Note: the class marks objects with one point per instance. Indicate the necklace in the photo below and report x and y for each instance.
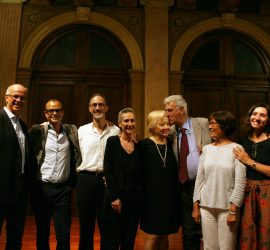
(165, 154)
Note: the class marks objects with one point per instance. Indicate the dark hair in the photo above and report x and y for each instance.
(247, 127)
(98, 94)
(226, 121)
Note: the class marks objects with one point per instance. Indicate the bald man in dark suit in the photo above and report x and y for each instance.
(14, 167)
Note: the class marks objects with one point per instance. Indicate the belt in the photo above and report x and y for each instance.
(99, 174)
(54, 184)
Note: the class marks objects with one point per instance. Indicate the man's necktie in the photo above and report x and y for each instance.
(184, 151)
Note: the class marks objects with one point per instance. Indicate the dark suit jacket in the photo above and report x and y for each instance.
(38, 136)
(11, 159)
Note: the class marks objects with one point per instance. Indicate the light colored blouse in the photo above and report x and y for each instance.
(221, 178)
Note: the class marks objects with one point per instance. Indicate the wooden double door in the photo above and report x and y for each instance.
(225, 70)
(73, 64)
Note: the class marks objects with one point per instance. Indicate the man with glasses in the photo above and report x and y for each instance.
(57, 154)
(90, 185)
(196, 134)
(14, 166)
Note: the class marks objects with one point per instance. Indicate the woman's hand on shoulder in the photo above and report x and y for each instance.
(242, 156)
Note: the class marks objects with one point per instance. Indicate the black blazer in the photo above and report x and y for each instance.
(11, 159)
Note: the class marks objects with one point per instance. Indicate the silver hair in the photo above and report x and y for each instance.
(178, 100)
(124, 111)
(14, 86)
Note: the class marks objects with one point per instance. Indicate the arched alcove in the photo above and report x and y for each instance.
(71, 18)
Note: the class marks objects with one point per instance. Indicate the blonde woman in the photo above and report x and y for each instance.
(159, 183)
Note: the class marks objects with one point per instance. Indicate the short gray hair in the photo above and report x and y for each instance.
(178, 100)
(124, 111)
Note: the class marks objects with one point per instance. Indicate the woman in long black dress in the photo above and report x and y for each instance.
(122, 173)
(159, 183)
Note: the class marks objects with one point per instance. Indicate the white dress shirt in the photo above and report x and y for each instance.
(56, 165)
(18, 129)
(92, 144)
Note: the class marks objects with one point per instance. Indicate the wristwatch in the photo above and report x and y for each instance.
(254, 165)
(232, 212)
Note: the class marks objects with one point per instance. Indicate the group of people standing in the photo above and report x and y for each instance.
(188, 172)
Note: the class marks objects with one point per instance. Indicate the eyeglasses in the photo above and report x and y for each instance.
(213, 123)
(100, 104)
(18, 97)
(51, 111)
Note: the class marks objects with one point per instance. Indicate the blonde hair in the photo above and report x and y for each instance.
(153, 118)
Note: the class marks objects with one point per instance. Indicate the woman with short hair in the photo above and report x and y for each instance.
(220, 184)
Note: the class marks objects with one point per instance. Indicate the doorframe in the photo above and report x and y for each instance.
(24, 71)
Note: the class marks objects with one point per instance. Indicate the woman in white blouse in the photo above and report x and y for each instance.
(219, 186)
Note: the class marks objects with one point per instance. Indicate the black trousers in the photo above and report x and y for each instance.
(121, 229)
(90, 191)
(191, 230)
(52, 201)
(14, 214)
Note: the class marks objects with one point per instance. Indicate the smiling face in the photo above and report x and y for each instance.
(127, 123)
(98, 107)
(259, 118)
(15, 98)
(215, 130)
(162, 128)
(54, 112)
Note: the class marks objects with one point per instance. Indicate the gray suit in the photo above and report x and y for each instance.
(200, 130)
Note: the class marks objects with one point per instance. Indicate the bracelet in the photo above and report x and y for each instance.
(232, 212)
(254, 165)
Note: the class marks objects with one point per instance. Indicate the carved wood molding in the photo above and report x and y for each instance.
(157, 3)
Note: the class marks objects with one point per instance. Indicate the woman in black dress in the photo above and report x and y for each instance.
(122, 173)
(159, 183)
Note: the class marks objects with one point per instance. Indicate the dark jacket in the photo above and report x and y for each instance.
(11, 159)
(38, 136)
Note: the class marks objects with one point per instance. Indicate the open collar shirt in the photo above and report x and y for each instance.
(56, 164)
(20, 135)
(92, 145)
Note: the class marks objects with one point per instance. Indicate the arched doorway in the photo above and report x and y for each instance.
(225, 70)
(74, 62)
